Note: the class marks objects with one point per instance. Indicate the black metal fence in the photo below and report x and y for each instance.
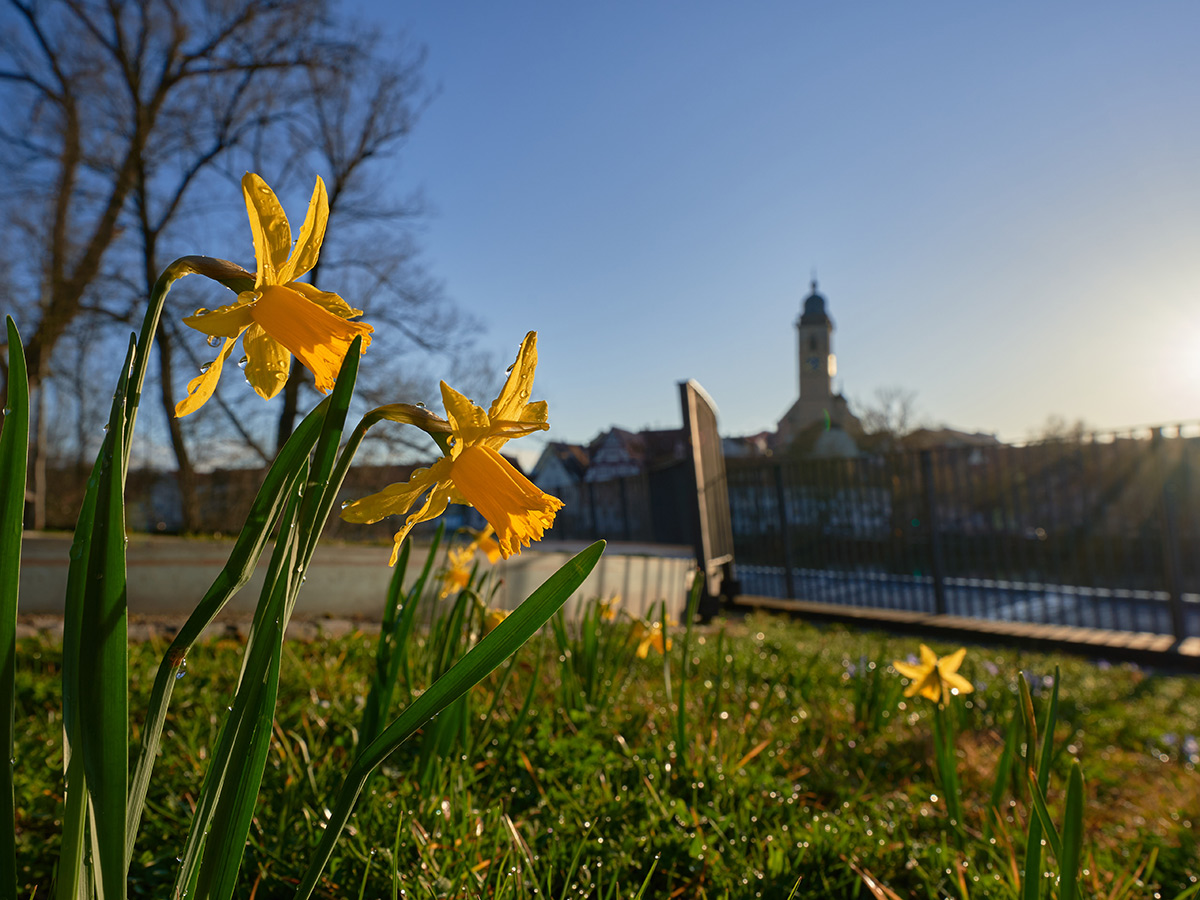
(1102, 532)
(653, 507)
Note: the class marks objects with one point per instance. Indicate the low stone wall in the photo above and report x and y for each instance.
(168, 576)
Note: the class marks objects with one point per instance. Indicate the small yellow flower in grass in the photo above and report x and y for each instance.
(485, 542)
(280, 317)
(494, 617)
(649, 635)
(458, 569)
(472, 471)
(935, 677)
(608, 608)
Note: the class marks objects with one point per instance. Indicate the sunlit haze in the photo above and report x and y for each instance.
(1001, 202)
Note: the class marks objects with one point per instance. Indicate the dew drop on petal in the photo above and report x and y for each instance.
(243, 362)
(213, 340)
(206, 366)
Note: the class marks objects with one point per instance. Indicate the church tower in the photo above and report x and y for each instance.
(819, 423)
(817, 363)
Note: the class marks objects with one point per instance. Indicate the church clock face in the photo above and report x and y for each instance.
(813, 364)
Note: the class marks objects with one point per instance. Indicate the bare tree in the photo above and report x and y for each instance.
(892, 412)
(120, 114)
(1058, 428)
(351, 129)
(100, 99)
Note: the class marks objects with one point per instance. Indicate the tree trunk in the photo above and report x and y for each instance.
(189, 505)
(291, 401)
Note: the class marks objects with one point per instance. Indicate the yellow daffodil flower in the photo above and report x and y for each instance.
(485, 541)
(279, 317)
(494, 617)
(935, 677)
(472, 471)
(458, 569)
(649, 635)
(608, 608)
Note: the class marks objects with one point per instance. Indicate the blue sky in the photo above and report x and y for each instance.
(1001, 202)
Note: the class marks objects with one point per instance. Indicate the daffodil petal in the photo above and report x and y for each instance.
(308, 242)
(269, 226)
(501, 432)
(928, 657)
(512, 504)
(956, 681)
(907, 670)
(327, 300)
(225, 321)
(948, 665)
(435, 504)
(518, 387)
(396, 499)
(491, 549)
(202, 386)
(316, 337)
(468, 422)
(268, 362)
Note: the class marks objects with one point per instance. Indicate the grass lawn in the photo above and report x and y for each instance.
(798, 766)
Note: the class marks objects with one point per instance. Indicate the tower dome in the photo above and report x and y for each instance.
(814, 308)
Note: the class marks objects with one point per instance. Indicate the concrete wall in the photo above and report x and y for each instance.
(168, 576)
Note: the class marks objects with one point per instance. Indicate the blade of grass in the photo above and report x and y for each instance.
(385, 648)
(104, 692)
(14, 454)
(485, 656)
(1043, 814)
(408, 616)
(1072, 835)
(646, 883)
(1004, 768)
(1031, 882)
(1048, 725)
(69, 878)
(684, 671)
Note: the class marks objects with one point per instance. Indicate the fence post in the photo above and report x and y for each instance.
(935, 542)
(789, 579)
(625, 506)
(1171, 568)
(591, 486)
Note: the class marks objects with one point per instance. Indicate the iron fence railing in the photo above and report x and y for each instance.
(1099, 532)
